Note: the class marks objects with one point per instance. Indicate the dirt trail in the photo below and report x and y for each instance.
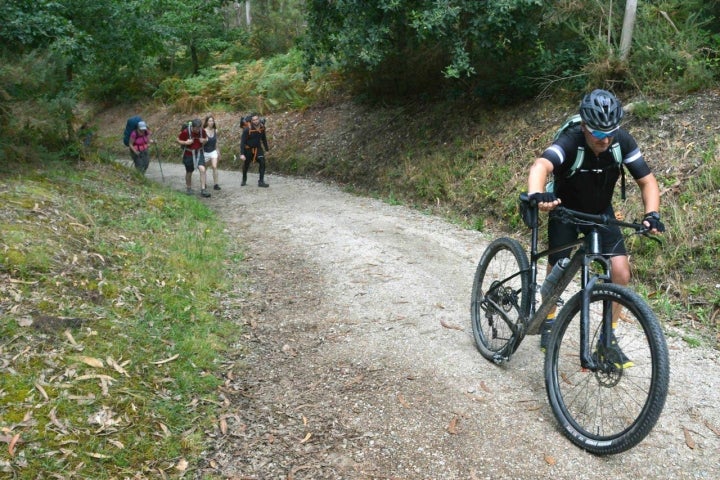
(356, 360)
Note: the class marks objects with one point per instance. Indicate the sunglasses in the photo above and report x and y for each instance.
(600, 135)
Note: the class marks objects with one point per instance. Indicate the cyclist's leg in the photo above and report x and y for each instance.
(613, 243)
(559, 233)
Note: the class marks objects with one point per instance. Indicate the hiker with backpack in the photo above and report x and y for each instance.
(192, 138)
(251, 149)
(586, 160)
(210, 149)
(139, 144)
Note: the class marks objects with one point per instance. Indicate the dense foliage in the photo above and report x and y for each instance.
(510, 47)
(200, 53)
(60, 54)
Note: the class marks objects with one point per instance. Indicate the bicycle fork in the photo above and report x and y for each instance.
(588, 283)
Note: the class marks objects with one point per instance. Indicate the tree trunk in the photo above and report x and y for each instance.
(195, 59)
(627, 29)
(248, 18)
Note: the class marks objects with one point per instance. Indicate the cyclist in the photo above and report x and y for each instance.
(590, 187)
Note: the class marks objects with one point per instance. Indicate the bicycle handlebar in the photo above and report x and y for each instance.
(599, 219)
(578, 217)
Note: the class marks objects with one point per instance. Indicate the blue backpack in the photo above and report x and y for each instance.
(131, 125)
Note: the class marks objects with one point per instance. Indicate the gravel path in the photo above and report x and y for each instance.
(356, 358)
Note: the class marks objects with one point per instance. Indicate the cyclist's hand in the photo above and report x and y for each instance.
(652, 221)
(545, 200)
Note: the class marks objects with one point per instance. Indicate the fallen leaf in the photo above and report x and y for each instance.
(54, 420)
(98, 455)
(116, 366)
(160, 362)
(25, 322)
(450, 325)
(485, 387)
(402, 401)
(95, 377)
(117, 443)
(165, 429)
(550, 460)
(307, 437)
(182, 465)
(70, 338)
(11, 445)
(688, 439)
(713, 428)
(42, 391)
(93, 362)
(565, 378)
(223, 426)
(452, 427)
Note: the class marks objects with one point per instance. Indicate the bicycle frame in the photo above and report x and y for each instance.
(589, 252)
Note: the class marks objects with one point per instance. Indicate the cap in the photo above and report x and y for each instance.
(142, 125)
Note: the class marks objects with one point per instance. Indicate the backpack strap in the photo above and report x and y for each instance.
(578, 161)
(617, 155)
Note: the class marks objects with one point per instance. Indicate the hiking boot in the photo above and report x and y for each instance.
(613, 353)
(216, 187)
(204, 193)
(243, 183)
(189, 191)
(545, 331)
(263, 184)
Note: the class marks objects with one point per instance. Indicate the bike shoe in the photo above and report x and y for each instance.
(613, 353)
(545, 331)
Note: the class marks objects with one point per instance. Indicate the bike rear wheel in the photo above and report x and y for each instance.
(613, 408)
(500, 296)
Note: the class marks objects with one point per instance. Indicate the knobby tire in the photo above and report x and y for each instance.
(611, 409)
(494, 324)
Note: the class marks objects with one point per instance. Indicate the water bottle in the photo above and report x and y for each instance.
(554, 276)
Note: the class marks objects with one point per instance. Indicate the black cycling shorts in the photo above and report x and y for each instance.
(612, 242)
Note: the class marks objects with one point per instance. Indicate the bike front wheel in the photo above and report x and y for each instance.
(500, 296)
(611, 407)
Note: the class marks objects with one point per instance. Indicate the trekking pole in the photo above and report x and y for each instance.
(157, 154)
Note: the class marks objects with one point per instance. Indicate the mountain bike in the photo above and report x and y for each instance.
(606, 362)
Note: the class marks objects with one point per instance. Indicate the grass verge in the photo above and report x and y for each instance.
(110, 324)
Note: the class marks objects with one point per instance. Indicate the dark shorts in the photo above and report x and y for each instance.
(192, 160)
(559, 233)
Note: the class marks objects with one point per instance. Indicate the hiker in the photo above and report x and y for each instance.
(251, 149)
(140, 147)
(589, 188)
(192, 137)
(211, 150)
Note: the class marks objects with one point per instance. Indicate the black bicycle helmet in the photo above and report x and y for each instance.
(601, 110)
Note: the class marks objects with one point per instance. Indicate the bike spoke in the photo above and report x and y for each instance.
(615, 404)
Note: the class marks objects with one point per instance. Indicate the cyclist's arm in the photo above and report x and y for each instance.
(539, 172)
(650, 192)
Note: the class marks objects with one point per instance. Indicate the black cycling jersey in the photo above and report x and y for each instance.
(590, 188)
